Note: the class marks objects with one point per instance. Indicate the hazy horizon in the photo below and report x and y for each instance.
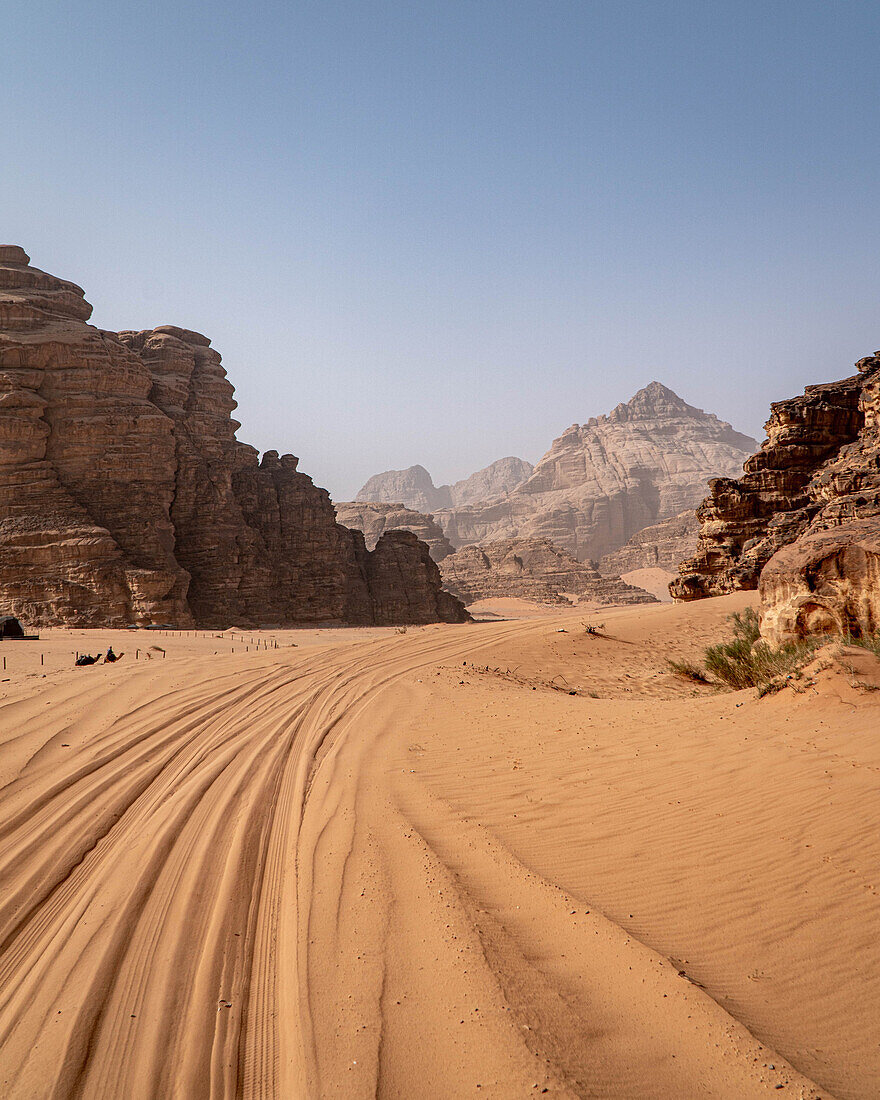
(442, 235)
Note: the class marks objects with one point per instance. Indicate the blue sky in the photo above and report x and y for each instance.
(443, 232)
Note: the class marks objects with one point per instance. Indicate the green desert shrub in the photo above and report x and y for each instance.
(746, 661)
(689, 671)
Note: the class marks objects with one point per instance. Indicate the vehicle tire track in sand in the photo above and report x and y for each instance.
(458, 968)
(148, 873)
(207, 889)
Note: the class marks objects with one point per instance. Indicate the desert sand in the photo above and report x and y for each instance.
(653, 580)
(504, 859)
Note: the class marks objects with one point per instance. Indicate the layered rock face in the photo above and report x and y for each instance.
(375, 519)
(125, 497)
(87, 464)
(532, 569)
(803, 523)
(396, 572)
(744, 522)
(415, 487)
(825, 582)
(603, 481)
(663, 545)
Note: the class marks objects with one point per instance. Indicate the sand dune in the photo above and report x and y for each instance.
(414, 865)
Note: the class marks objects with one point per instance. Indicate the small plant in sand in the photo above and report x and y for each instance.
(595, 629)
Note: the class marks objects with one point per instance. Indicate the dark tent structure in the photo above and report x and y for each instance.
(10, 627)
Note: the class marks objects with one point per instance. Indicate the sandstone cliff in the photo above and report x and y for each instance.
(375, 519)
(87, 464)
(743, 522)
(603, 481)
(125, 497)
(663, 545)
(532, 569)
(803, 523)
(415, 488)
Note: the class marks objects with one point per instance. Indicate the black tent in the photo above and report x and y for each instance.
(10, 627)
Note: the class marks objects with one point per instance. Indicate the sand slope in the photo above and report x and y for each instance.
(416, 866)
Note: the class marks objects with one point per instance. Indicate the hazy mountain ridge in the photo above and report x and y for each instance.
(601, 482)
(415, 488)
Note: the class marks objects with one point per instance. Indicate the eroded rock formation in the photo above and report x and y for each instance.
(663, 545)
(375, 519)
(532, 569)
(86, 468)
(825, 582)
(603, 481)
(803, 523)
(125, 497)
(414, 488)
(744, 522)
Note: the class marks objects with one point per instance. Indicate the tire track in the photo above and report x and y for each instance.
(178, 854)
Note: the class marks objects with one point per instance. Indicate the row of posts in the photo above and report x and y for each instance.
(258, 643)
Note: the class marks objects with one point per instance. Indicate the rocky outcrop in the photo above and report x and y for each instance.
(87, 465)
(396, 571)
(663, 545)
(532, 569)
(125, 497)
(375, 519)
(603, 481)
(803, 523)
(825, 582)
(744, 522)
(415, 487)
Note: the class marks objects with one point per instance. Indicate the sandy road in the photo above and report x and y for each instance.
(218, 877)
(148, 885)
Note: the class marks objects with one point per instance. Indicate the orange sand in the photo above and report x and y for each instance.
(413, 865)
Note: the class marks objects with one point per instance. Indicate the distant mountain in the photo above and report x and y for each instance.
(603, 481)
(600, 483)
(497, 480)
(415, 488)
